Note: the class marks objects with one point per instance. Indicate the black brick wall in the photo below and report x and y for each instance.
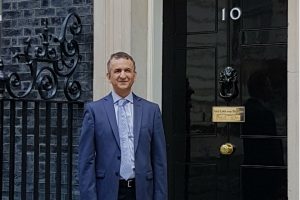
(22, 19)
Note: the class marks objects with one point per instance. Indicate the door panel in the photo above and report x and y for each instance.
(201, 16)
(263, 78)
(198, 44)
(263, 37)
(263, 65)
(201, 89)
(264, 14)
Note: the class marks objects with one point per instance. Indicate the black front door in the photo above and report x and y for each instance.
(201, 38)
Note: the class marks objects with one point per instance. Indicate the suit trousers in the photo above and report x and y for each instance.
(125, 192)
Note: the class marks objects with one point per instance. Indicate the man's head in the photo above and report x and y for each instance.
(121, 73)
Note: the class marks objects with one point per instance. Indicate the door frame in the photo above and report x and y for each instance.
(293, 99)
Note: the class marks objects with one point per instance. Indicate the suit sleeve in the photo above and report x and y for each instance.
(159, 159)
(87, 177)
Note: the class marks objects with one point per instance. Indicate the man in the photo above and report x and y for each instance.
(122, 151)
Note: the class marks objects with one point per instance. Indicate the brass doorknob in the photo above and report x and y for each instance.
(226, 149)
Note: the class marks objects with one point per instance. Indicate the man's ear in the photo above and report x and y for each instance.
(108, 75)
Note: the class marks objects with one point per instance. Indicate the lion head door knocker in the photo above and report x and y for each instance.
(228, 84)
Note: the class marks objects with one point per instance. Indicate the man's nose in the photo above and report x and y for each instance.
(122, 75)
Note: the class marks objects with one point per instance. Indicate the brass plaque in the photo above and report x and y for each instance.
(228, 114)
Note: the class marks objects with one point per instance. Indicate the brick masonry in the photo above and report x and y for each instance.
(22, 19)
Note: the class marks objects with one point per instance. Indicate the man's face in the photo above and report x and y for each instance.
(121, 74)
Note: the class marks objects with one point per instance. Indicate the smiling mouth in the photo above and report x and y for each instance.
(123, 82)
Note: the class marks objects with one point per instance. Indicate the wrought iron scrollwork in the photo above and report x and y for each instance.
(228, 84)
(48, 62)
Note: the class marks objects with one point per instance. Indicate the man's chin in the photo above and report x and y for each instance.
(123, 86)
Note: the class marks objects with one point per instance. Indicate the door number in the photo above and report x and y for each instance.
(235, 13)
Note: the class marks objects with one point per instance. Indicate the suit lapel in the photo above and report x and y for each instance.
(137, 118)
(110, 111)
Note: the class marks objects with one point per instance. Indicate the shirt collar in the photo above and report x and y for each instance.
(116, 97)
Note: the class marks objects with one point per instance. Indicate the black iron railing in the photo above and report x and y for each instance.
(39, 135)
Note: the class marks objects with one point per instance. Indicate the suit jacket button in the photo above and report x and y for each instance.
(117, 173)
(119, 157)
